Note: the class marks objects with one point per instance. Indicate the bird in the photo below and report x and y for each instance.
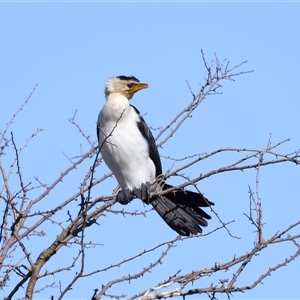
(129, 150)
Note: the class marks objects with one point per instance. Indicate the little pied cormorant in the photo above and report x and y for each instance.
(128, 148)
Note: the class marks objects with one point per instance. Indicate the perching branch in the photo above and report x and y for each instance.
(39, 224)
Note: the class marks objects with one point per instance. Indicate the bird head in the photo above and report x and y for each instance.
(124, 85)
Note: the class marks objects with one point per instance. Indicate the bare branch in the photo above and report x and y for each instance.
(27, 215)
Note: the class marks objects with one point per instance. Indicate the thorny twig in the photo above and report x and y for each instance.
(23, 220)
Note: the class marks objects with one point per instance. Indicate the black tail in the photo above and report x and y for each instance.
(181, 210)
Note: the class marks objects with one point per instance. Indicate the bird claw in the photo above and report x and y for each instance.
(143, 192)
(124, 196)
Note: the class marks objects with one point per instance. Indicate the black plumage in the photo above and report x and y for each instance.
(181, 209)
(128, 78)
(127, 153)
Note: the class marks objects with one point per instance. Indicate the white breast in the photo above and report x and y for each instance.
(123, 147)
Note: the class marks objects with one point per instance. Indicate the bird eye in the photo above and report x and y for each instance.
(130, 85)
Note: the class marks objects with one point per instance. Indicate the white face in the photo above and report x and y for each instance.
(115, 85)
(125, 87)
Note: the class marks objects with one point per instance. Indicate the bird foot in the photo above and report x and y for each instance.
(124, 196)
(143, 192)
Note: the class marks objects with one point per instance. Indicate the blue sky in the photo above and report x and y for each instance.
(71, 49)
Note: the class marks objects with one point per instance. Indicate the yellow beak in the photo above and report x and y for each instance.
(137, 87)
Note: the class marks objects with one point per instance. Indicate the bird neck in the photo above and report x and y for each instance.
(117, 105)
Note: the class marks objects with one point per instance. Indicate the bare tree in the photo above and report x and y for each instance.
(28, 249)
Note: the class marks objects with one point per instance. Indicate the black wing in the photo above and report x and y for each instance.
(147, 134)
(97, 130)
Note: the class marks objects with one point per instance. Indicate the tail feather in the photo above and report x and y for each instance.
(181, 210)
(188, 197)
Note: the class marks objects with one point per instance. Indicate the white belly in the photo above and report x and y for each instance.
(126, 153)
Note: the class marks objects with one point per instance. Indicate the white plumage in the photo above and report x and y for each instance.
(128, 148)
(126, 152)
